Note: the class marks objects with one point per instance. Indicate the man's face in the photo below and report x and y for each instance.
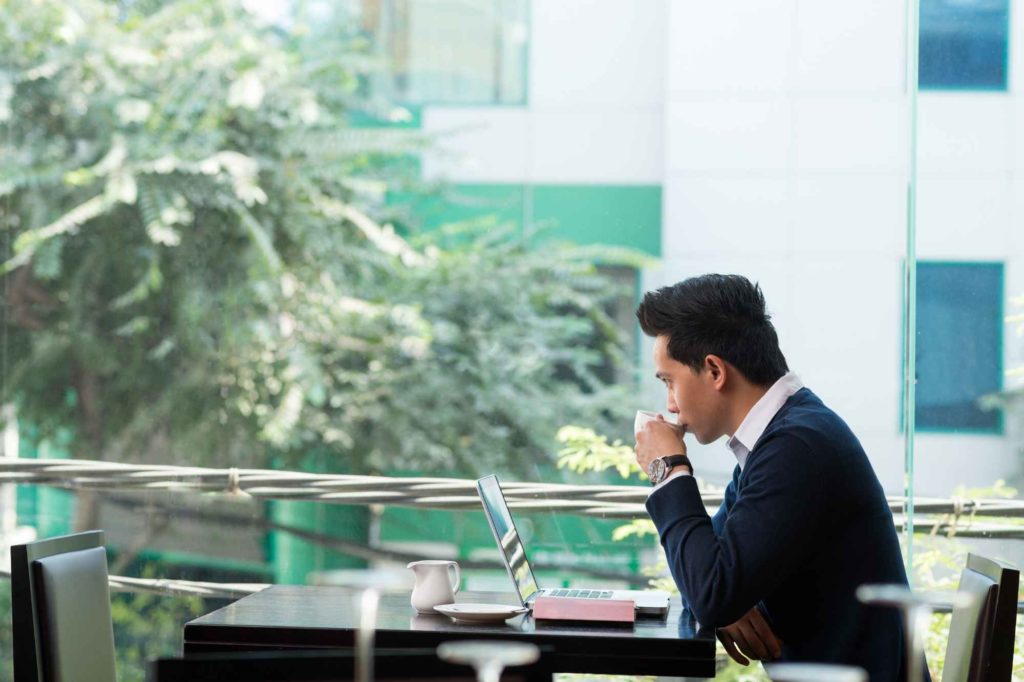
(691, 395)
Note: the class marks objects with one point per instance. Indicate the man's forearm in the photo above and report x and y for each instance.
(695, 555)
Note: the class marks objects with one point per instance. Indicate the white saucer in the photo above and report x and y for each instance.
(480, 613)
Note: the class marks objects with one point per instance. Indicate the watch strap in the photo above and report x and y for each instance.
(673, 461)
(660, 467)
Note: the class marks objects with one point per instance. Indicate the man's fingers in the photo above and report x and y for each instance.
(764, 632)
(748, 641)
(730, 648)
(752, 636)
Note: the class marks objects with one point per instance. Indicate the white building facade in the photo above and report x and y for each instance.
(773, 139)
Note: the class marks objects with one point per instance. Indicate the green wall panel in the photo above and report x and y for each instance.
(294, 558)
(401, 118)
(461, 203)
(616, 215)
(627, 216)
(48, 509)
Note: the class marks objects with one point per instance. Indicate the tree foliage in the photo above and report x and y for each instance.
(195, 271)
(149, 626)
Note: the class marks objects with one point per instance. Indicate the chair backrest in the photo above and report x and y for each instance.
(980, 647)
(60, 604)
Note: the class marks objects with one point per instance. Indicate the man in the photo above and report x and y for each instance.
(804, 520)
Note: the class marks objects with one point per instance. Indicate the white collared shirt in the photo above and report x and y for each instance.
(761, 414)
(754, 424)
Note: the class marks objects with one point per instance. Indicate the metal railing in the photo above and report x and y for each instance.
(178, 588)
(604, 501)
(948, 515)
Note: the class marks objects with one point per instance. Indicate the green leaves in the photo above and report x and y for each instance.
(583, 451)
(200, 231)
(260, 237)
(26, 243)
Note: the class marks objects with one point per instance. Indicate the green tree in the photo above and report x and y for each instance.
(6, 634)
(148, 626)
(196, 274)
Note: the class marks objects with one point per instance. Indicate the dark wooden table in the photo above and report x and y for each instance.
(305, 617)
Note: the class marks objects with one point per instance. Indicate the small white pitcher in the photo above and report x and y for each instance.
(436, 584)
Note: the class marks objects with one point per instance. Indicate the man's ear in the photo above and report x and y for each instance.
(717, 370)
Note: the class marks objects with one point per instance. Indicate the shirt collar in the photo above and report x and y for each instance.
(763, 411)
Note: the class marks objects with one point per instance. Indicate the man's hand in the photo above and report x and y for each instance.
(752, 636)
(656, 439)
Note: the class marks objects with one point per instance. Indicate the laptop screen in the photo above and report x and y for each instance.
(507, 536)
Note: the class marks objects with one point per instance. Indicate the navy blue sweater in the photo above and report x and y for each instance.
(801, 527)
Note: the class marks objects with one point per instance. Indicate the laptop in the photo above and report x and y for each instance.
(648, 602)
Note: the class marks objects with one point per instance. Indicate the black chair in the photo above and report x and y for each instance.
(336, 665)
(60, 610)
(981, 632)
(980, 647)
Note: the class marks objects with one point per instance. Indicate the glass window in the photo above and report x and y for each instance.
(449, 51)
(959, 345)
(963, 44)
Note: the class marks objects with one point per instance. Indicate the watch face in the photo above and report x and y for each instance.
(656, 470)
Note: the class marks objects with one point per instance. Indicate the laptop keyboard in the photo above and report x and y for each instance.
(582, 594)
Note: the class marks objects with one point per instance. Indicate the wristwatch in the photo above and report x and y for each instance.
(658, 469)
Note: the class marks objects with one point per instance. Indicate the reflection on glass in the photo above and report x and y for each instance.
(812, 672)
(488, 658)
(916, 610)
(508, 537)
(368, 601)
(449, 51)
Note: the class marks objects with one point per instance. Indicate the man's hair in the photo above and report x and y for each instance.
(721, 315)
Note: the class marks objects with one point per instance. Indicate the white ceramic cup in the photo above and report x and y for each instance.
(642, 417)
